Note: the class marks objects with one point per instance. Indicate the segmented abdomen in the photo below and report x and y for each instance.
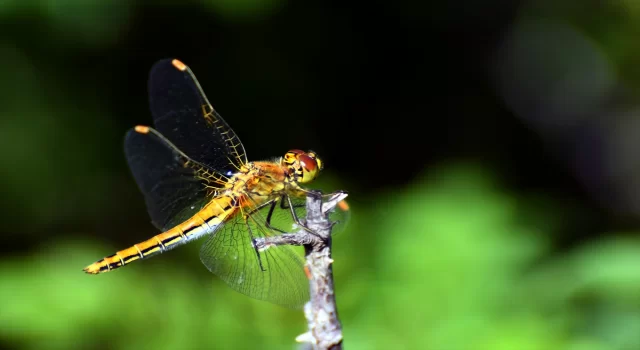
(203, 222)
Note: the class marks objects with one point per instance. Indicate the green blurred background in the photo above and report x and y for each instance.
(490, 150)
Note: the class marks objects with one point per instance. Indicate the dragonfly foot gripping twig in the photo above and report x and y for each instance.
(325, 331)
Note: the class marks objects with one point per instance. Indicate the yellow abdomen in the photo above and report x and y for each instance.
(203, 222)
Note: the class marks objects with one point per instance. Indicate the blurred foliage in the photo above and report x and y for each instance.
(446, 263)
(456, 259)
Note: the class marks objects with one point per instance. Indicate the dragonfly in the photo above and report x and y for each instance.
(193, 172)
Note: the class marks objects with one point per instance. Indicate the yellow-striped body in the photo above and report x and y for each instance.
(261, 180)
(203, 222)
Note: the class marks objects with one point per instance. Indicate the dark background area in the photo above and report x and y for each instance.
(460, 104)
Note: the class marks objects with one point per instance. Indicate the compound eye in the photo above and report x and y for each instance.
(307, 163)
(314, 156)
(309, 168)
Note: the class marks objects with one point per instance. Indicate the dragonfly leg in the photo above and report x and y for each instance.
(268, 220)
(271, 202)
(296, 219)
(314, 193)
(284, 204)
(253, 241)
(246, 217)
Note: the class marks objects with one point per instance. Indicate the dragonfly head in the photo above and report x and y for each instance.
(302, 166)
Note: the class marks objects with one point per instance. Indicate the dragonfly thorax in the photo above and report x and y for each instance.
(259, 178)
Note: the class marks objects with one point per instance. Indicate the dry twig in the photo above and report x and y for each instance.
(325, 331)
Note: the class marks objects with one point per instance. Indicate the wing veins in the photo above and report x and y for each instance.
(216, 121)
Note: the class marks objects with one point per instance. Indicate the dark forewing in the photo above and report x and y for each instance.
(174, 187)
(230, 255)
(183, 114)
